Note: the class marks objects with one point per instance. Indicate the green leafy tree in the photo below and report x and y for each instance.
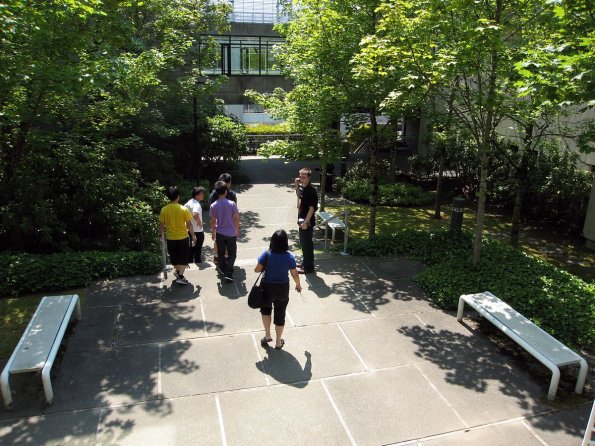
(79, 82)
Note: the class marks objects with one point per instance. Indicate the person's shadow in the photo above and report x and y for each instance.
(283, 367)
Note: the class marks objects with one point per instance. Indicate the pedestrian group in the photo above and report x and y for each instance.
(182, 228)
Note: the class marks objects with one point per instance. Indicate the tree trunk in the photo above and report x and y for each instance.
(437, 207)
(522, 172)
(373, 174)
(322, 184)
(485, 145)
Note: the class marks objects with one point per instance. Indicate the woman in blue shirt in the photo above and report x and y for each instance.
(275, 281)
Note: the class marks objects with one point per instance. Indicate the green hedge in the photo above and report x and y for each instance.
(397, 194)
(29, 273)
(559, 302)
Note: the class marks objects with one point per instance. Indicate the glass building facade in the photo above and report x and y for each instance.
(256, 11)
(247, 56)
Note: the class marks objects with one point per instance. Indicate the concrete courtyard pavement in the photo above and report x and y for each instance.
(368, 360)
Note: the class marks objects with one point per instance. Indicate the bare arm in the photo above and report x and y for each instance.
(236, 220)
(190, 230)
(296, 279)
(258, 268)
(161, 229)
(213, 230)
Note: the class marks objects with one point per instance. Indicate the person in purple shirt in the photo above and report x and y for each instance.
(225, 230)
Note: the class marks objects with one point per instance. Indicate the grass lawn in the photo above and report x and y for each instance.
(569, 254)
(16, 313)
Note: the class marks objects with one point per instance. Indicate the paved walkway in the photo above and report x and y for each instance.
(368, 361)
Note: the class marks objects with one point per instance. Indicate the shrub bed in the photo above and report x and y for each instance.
(557, 301)
(398, 194)
(29, 273)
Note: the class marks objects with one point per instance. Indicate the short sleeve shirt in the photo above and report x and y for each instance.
(223, 211)
(174, 216)
(309, 198)
(278, 266)
(195, 207)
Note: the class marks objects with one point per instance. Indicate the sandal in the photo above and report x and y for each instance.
(279, 347)
(265, 342)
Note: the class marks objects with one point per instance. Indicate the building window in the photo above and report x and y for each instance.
(253, 108)
(253, 56)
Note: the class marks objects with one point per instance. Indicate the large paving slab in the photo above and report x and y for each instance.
(175, 422)
(481, 387)
(124, 290)
(281, 415)
(95, 378)
(380, 342)
(142, 324)
(96, 329)
(214, 364)
(563, 428)
(508, 434)
(390, 406)
(70, 428)
(389, 298)
(231, 316)
(326, 305)
(309, 352)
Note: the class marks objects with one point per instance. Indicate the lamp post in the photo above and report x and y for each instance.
(197, 149)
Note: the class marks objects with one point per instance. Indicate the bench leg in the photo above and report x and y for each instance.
(5, 384)
(77, 309)
(582, 376)
(551, 394)
(461, 309)
(47, 383)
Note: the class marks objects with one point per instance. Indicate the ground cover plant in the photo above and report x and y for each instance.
(559, 302)
(564, 251)
(53, 272)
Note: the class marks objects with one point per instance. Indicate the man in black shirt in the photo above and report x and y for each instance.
(307, 205)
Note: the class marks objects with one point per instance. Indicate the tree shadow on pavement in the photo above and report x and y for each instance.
(472, 362)
(112, 357)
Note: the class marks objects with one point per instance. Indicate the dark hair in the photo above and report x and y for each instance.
(279, 241)
(220, 188)
(225, 177)
(172, 192)
(197, 190)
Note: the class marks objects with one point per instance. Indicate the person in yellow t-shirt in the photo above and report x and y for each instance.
(175, 220)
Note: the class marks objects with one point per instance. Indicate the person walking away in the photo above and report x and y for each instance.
(307, 205)
(174, 224)
(231, 195)
(225, 230)
(275, 281)
(195, 208)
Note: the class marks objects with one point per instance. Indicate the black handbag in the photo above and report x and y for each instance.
(256, 298)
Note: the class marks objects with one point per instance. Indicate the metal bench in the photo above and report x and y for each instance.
(330, 220)
(540, 344)
(39, 344)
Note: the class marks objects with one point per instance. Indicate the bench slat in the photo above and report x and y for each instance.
(539, 339)
(37, 345)
(330, 219)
